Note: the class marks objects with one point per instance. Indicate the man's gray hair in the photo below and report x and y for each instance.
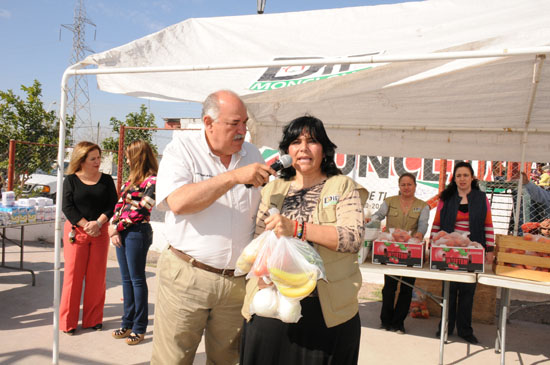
(211, 105)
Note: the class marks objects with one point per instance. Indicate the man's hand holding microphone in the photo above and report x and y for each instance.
(257, 174)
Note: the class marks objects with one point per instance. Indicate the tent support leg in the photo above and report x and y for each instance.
(537, 69)
(59, 201)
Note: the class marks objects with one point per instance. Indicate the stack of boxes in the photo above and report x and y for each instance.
(9, 214)
(23, 211)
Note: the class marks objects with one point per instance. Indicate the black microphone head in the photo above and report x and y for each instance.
(284, 162)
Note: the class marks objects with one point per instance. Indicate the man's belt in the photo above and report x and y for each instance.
(185, 257)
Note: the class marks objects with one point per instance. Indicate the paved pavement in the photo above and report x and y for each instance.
(26, 329)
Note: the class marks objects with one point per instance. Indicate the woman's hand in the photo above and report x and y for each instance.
(92, 228)
(112, 230)
(418, 235)
(114, 235)
(280, 225)
(115, 239)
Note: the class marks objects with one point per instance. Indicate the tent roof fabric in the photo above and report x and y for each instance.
(456, 109)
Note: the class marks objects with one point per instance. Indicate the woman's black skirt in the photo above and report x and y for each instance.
(270, 341)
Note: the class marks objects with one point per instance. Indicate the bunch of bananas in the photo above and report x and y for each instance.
(293, 285)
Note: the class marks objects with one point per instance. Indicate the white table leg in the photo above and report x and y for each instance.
(505, 303)
(444, 319)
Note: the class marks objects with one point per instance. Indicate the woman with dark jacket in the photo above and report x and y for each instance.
(464, 208)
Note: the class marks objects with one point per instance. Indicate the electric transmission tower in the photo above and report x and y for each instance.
(78, 98)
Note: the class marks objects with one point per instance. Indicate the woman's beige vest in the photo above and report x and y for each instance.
(397, 219)
(338, 295)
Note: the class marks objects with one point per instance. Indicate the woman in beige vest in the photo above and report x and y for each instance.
(326, 207)
(406, 212)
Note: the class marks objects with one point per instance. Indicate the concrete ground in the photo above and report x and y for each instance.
(26, 326)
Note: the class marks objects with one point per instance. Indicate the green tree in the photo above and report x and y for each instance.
(27, 120)
(134, 119)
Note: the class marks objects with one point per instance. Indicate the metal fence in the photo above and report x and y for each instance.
(31, 168)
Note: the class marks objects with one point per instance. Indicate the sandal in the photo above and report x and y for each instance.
(122, 332)
(134, 339)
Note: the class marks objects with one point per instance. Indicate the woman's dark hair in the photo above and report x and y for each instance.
(452, 189)
(317, 131)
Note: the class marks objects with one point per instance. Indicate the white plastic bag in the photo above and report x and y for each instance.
(250, 252)
(294, 266)
(259, 266)
(265, 302)
(268, 302)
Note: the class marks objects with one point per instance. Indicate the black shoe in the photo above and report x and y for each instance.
(70, 332)
(470, 338)
(400, 329)
(387, 327)
(97, 327)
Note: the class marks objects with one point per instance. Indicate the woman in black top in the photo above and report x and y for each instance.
(89, 197)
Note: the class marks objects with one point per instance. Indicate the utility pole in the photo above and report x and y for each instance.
(78, 98)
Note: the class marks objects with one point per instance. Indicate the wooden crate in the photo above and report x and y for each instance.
(504, 242)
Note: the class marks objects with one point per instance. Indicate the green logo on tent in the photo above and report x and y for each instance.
(278, 83)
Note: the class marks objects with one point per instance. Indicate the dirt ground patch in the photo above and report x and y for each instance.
(370, 293)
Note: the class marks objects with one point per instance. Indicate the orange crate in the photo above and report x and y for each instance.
(527, 262)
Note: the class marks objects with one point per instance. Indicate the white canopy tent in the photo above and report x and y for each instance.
(457, 79)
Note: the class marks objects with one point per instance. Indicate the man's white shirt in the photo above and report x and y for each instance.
(216, 235)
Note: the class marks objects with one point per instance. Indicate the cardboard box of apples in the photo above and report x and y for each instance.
(454, 251)
(397, 247)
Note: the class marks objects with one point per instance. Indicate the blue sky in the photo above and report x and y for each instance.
(31, 47)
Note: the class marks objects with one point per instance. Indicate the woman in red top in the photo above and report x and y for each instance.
(464, 208)
(131, 233)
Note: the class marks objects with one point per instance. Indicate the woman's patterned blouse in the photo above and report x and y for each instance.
(135, 204)
(301, 203)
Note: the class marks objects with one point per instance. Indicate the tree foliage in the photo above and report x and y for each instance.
(134, 119)
(27, 120)
(139, 119)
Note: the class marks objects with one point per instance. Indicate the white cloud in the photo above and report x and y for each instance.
(5, 14)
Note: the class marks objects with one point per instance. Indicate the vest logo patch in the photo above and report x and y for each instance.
(416, 209)
(330, 200)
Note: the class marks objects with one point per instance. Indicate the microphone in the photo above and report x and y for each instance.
(282, 163)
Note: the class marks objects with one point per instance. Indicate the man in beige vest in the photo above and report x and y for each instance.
(408, 213)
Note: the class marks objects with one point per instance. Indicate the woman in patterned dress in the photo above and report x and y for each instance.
(131, 233)
(327, 207)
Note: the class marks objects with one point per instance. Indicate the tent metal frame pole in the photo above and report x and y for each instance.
(537, 69)
(59, 200)
(325, 61)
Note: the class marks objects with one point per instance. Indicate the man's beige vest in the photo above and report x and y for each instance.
(397, 219)
(338, 295)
